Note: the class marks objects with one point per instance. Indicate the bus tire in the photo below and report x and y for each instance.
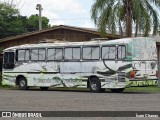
(119, 90)
(44, 88)
(22, 83)
(95, 85)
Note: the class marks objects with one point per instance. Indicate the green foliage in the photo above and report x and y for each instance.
(12, 23)
(33, 23)
(111, 15)
(0, 78)
(7, 12)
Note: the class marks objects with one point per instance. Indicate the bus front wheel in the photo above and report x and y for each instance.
(22, 83)
(94, 85)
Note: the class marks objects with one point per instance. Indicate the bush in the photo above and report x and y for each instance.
(0, 78)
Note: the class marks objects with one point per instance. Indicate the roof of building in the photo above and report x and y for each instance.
(81, 29)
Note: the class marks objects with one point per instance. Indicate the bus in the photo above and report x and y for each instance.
(96, 64)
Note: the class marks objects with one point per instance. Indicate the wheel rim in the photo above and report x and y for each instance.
(94, 86)
(22, 83)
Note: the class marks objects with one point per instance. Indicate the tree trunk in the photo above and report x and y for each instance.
(120, 29)
(128, 18)
(136, 32)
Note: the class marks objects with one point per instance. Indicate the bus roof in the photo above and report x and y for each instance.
(86, 43)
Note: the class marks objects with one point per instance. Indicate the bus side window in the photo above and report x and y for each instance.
(41, 54)
(72, 53)
(34, 54)
(109, 52)
(91, 53)
(121, 52)
(22, 55)
(38, 54)
(55, 54)
(59, 54)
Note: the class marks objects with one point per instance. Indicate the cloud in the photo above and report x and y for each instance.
(88, 24)
(56, 10)
(72, 6)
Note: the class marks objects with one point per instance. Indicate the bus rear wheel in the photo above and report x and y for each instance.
(44, 88)
(22, 83)
(95, 85)
(119, 90)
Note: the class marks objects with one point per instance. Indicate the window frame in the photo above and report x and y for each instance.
(91, 54)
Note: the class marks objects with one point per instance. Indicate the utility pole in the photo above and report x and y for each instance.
(39, 7)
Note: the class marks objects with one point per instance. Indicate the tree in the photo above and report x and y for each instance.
(125, 14)
(33, 23)
(8, 14)
(12, 23)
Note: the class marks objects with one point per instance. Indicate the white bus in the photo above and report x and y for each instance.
(96, 64)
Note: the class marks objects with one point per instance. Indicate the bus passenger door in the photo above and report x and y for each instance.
(8, 61)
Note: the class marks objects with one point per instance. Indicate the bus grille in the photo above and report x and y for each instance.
(121, 76)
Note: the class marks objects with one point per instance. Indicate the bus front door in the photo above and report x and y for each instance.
(8, 61)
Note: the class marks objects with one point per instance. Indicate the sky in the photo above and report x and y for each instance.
(59, 12)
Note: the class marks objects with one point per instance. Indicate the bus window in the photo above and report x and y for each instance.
(72, 53)
(42, 54)
(121, 52)
(109, 52)
(8, 60)
(38, 54)
(55, 54)
(27, 54)
(23, 55)
(34, 54)
(91, 53)
(76, 53)
(68, 53)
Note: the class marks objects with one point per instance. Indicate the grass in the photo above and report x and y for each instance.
(143, 89)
